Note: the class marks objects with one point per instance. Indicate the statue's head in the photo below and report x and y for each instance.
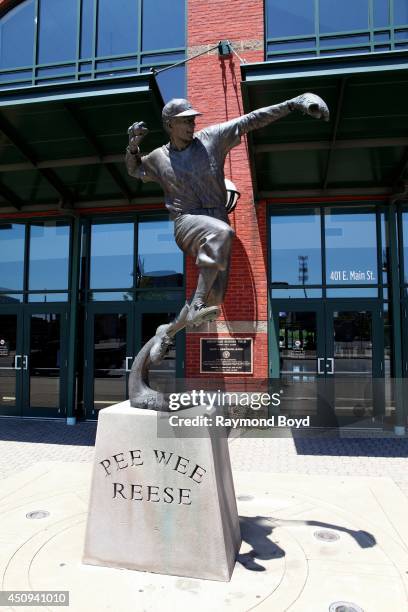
(179, 120)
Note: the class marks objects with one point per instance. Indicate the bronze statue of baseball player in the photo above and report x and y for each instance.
(190, 170)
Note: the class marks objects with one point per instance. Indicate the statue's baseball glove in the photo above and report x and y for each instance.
(310, 104)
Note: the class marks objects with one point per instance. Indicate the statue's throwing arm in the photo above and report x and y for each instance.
(308, 104)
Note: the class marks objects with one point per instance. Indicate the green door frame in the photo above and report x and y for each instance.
(28, 311)
(23, 313)
(134, 310)
(91, 310)
(15, 309)
(292, 305)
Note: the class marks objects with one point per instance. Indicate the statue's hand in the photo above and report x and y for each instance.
(310, 104)
(137, 132)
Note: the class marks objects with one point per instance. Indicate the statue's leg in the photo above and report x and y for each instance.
(219, 287)
(209, 241)
(165, 334)
(213, 258)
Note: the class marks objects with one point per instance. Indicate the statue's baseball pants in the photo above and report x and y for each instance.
(206, 235)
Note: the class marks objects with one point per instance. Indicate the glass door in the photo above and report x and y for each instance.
(108, 355)
(114, 335)
(330, 360)
(44, 361)
(354, 359)
(300, 342)
(10, 362)
(33, 361)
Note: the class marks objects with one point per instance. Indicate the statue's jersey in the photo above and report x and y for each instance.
(194, 177)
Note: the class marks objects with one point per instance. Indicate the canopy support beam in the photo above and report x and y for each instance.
(93, 141)
(11, 197)
(335, 130)
(14, 137)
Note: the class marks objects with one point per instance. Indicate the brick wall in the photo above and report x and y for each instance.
(213, 86)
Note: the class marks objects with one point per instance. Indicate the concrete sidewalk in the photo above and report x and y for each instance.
(323, 518)
(24, 443)
(310, 544)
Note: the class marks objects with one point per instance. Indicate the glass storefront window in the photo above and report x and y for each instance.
(345, 25)
(74, 32)
(352, 292)
(343, 16)
(381, 13)
(17, 24)
(11, 298)
(296, 293)
(110, 296)
(49, 256)
(87, 10)
(349, 250)
(293, 18)
(156, 33)
(12, 240)
(117, 29)
(295, 248)
(160, 261)
(57, 34)
(400, 12)
(351, 247)
(46, 298)
(112, 246)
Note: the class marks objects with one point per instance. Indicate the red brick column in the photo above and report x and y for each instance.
(213, 86)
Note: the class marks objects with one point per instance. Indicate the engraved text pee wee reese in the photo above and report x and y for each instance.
(148, 492)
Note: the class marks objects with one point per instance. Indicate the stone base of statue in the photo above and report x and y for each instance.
(161, 504)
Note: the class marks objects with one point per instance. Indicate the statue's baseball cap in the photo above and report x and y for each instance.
(178, 107)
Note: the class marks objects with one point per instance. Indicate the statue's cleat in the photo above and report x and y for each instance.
(161, 345)
(199, 314)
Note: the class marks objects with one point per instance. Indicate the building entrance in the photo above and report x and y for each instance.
(33, 360)
(114, 335)
(330, 359)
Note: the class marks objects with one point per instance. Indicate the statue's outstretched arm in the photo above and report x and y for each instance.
(307, 103)
(133, 158)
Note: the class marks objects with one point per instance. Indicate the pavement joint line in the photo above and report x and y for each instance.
(388, 519)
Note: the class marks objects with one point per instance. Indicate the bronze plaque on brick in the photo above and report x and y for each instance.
(226, 355)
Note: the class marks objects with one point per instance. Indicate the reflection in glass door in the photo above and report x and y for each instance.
(354, 361)
(110, 359)
(300, 354)
(330, 361)
(115, 334)
(10, 363)
(298, 343)
(32, 362)
(42, 362)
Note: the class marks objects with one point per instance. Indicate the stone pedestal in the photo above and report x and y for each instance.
(163, 505)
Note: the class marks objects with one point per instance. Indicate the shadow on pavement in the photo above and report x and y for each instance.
(256, 530)
(47, 432)
(351, 447)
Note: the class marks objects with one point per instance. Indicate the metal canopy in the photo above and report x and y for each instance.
(364, 147)
(63, 145)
